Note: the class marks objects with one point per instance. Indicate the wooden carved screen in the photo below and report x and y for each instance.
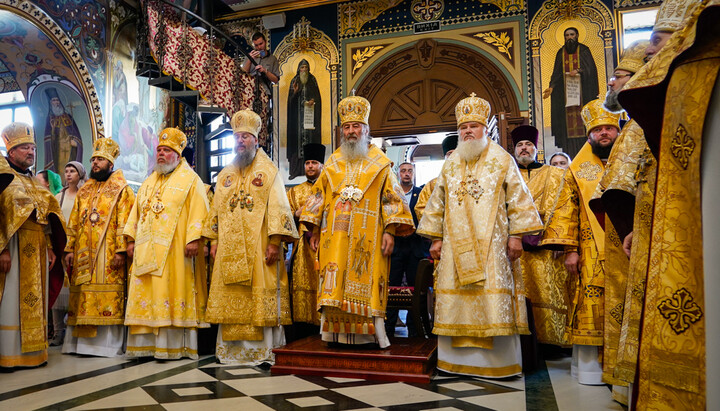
(415, 90)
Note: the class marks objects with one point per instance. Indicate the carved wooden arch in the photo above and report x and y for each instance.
(415, 89)
(84, 82)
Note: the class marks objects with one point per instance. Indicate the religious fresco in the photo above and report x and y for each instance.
(36, 50)
(137, 111)
(308, 84)
(84, 21)
(562, 126)
(7, 80)
(62, 124)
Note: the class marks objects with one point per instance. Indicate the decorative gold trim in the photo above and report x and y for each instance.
(502, 42)
(360, 57)
(506, 371)
(277, 8)
(507, 5)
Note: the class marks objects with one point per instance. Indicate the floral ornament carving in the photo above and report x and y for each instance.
(501, 41)
(569, 9)
(507, 5)
(682, 146)
(361, 56)
(680, 310)
(352, 16)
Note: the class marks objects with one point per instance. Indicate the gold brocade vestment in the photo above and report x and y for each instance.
(625, 194)
(474, 208)
(423, 198)
(165, 288)
(545, 277)
(575, 226)
(680, 80)
(249, 211)
(353, 203)
(304, 277)
(95, 235)
(30, 212)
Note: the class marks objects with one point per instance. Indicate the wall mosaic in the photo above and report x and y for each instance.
(41, 51)
(84, 21)
(7, 80)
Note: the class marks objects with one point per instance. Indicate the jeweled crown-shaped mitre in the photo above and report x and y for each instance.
(472, 109)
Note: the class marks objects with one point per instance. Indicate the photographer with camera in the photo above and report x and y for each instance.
(267, 68)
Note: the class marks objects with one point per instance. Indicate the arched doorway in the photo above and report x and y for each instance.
(415, 89)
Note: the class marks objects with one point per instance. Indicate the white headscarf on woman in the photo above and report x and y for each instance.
(81, 171)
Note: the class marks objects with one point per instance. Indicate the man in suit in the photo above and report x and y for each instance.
(408, 250)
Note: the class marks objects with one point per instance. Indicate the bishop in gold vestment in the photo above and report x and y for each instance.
(304, 280)
(574, 226)
(167, 285)
(31, 233)
(97, 255)
(675, 98)
(355, 210)
(476, 216)
(615, 196)
(544, 276)
(248, 219)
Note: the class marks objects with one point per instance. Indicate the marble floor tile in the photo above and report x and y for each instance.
(186, 377)
(90, 386)
(460, 386)
(509, 401)
(310, 401)
(272, 385)
(135, 397)
(191, 392)
(570, 394)
(390, 394)
(63, 366)
(341, 380)
(242, 403)
(185, 392)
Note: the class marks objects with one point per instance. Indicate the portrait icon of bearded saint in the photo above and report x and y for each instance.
(304, 111)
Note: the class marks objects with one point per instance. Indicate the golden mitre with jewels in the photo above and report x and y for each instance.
(595, 114)
(246, 121)
(106, 148)
(173, 138)
(354, 109)
(472, 108)
(672, 13)
(18, 133)
(634, 57)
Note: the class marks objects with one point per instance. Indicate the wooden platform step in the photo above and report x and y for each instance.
(407, 359)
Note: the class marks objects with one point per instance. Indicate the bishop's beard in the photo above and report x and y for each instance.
(57, 110)
(166, 168)
(245, 158)
(571, 46)
(353, 150)
(470, 150)
(611, 101)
